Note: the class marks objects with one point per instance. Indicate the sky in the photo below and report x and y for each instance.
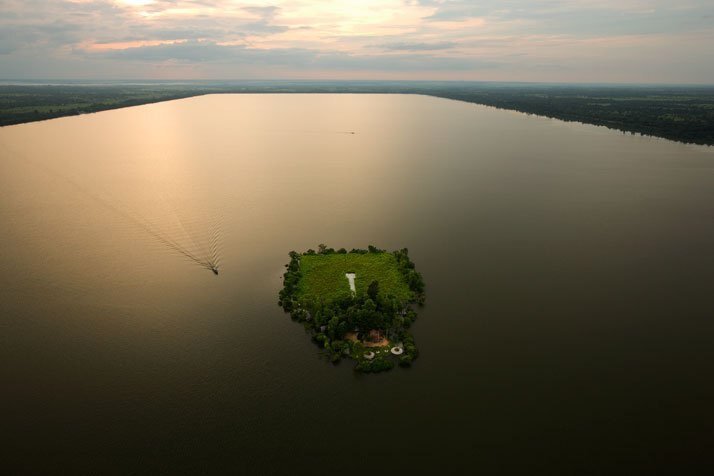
(640, 41)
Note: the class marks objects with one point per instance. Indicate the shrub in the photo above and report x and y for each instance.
(379, 364)
(405, 361)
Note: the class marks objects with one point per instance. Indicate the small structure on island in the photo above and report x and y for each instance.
(369, 355)
(374, 335)
(397, 350)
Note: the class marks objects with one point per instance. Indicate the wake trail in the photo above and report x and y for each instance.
(209, 262)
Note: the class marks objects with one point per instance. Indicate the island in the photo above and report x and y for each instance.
(356, 304)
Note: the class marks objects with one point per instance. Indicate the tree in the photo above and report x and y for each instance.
(332, 326)
(415, 281)
(373, 290)
(321, 248)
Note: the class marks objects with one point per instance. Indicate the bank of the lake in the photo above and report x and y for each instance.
(675, 112)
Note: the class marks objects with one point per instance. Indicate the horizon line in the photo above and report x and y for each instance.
(47, 81)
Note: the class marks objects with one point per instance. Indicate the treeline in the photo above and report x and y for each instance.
(684, 115)
(374, 310)
(20, 104)
(413, 278)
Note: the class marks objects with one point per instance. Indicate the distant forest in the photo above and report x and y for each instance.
(680, 113)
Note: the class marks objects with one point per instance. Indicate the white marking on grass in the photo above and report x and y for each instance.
(351, 278)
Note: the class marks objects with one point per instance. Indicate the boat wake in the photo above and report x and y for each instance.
(197, 239)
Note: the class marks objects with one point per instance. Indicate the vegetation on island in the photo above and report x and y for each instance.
(676, 112)
(369, 325)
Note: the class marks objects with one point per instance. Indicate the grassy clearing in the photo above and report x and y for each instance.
(324, 275)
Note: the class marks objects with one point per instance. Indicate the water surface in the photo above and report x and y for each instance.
(569, 272)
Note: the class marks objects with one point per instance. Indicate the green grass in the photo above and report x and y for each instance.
(323, 276)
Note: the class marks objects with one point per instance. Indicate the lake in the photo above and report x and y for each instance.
(569, 270)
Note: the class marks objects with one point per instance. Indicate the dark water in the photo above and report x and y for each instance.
(570, 274)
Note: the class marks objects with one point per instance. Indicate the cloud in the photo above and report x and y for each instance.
(399, 46)
(266, 13)
(296, 58)
(459, 10)
(420, 39)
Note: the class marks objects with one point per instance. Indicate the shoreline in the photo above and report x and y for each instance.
(667, 115)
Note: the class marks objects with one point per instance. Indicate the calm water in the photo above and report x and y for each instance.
(569, 270)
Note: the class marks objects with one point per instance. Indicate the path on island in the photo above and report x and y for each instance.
(351, 278)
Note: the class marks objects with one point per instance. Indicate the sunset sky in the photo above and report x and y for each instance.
(577, 40)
